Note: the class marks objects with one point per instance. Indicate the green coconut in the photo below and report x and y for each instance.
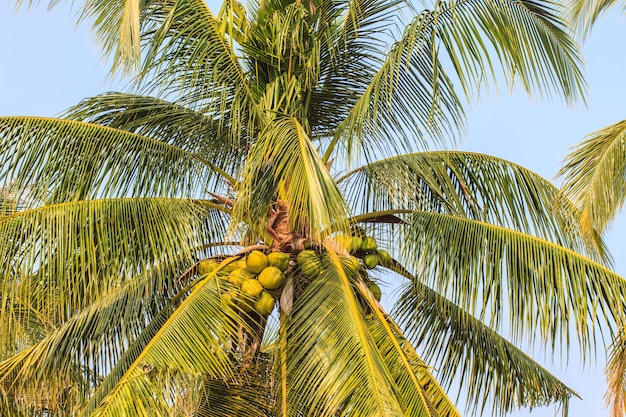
(251, 287)
(370, 260)
(265, 304)
(271, 278)
(279, 259)
(256, 261)
(309, 263)
(238, 275)
(384, 257)
(369, 245)
(206, 266)
(375, 290)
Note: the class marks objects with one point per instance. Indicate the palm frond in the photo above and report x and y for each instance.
(489, 370)
(483, 267)
(585, 13)
(471, 185)
(411, 374)
(334, 366)
(351, 35)
(284, 162)
(58, 160)
(178, 126)
(193, 339)
(413, 96)
(190, 58)
(615, 372)
(59, 259)
(593, 176)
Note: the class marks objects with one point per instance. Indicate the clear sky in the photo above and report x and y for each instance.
(48, 65)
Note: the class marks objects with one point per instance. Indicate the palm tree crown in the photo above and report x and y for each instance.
(214, 242)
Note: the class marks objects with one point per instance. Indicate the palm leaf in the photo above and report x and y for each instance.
(284, 157)
(471, 185)
(412, 94)
(186, 129)
(482, 267)
(59, 160)
(488, 369)
(585, 13)
(192, 339)
(334, 366)
(616, 376)
(58, 259)
(593, 176)
(190, 58)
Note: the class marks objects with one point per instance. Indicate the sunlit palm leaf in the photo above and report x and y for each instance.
(482, 267)
(189, 57)
(471, 185)
(194, 339)
(59, 160)
(410, 372)
(593, 176)
(412, 94)
(585, 13)
(488, 369)
(616, 376)
(183, 128)
(58, 259)
(335, 367)
(352, 46)
(284, 157)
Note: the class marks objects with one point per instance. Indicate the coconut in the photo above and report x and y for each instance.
(356, 244)
(309, 263)
(369, 245)
(251, 287)
(370, 260)
(265, 304)
(279, 259)
(384, 257)
(271, 278)
(238, 275)
(206, 266)
(256, 261)
(375, 290)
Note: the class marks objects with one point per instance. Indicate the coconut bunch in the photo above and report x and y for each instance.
(254, 281)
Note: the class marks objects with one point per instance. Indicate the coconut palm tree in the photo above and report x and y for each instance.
(214, 241)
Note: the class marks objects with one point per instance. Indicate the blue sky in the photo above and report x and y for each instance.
(48, 65)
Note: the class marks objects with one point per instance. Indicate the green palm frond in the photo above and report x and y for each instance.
(531, 40)
(58, 259)
(585, 13)
(488, 369)
(616, 376)
(59, 160)
(352, 46)
(176, 125)
(485, 268)
(190, 57)
(476, 186)
(593, 176)
(334, 368)
(412, 94)
(411, 374)
(284, 161)
(193, 338)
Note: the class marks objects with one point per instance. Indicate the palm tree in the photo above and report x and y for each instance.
(292, 140)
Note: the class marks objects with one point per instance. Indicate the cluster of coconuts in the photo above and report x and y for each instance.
(365, 249)
(252, 278)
